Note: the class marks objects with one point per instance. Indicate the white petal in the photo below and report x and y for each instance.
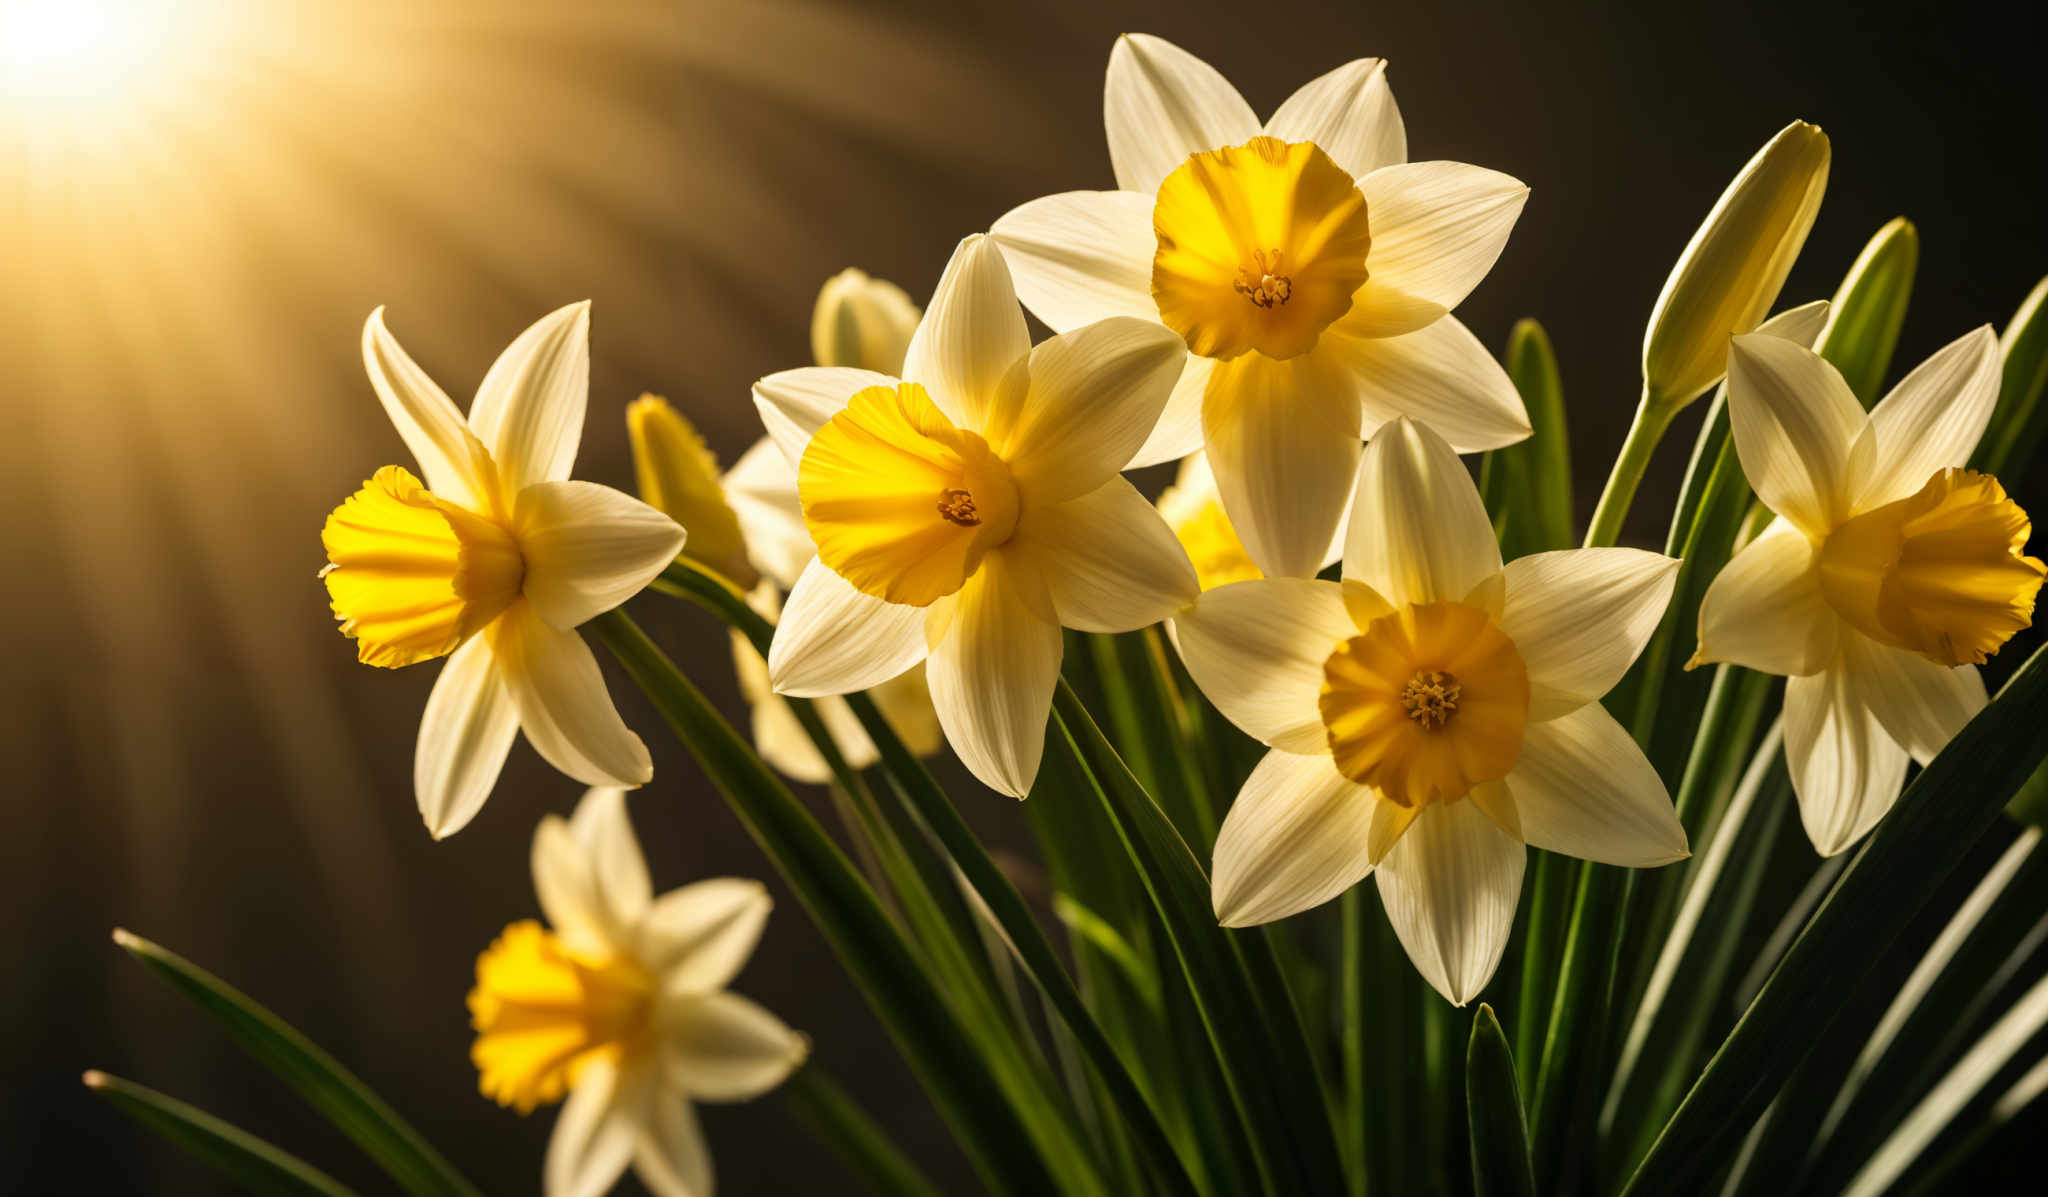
(1257, 650)
(698, 937)
(529, 409)
(1802, 437)
(1765, 611)
(723, 1047)
(1921, 704)
(992, 677)
(833, 639)
(454, 463)
(1578, 617)
(1350, 113)
(602, 827)
(1108, 559)
(1450, 887)
(1419, 533)
(1295, 838)
(761, 488)
(571, 896)
(1094, 396)
(671, 1158)
(467, 730)
(594, 1135)
(1437, 228)
(1283, 442)
(972, 333)
(794, 404)
(1934, 418)
(588, 548)
(1440, 375)
(1582, 787)
(564, 709)
(1846, 769)
(1081, 256)
(1179, 430)
(1161, 104)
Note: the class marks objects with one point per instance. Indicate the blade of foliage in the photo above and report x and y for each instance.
(1870, 307)
(314, 1075)
(839, 1122)
(2012, 443)
(234, 1153)
(1552, 881)
(1999, 1125)
(1527, 487)
(1493, 1113)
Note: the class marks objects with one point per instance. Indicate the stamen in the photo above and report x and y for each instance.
(1267, 288)
(1430, 697)
(958, 507)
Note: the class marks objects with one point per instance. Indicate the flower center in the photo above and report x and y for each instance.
(1939, 572)
(1260, 248)
(1430, 697)
(900, 503)
(542, 1013)
(411, 576)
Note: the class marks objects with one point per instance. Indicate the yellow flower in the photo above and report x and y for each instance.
(862, 322)
(1429, 715)
(619, 1003)
(1888, 574)
(493, 562)
(1307, 266)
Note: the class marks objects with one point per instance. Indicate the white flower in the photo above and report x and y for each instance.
(862, 322)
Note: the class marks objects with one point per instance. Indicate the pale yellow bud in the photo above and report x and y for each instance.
(678, 477)
(862, 322)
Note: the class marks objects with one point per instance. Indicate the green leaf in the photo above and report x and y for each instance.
(2013, 440)
(838, 1121)
(2030, 805)
(310, 1072)
(1493, 1114)
(1546, 461)
(235, 1153)
(1870, 308)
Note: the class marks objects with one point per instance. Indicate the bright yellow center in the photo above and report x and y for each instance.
(1260, 248)
(411, 576)
(1939, 572)
(1428, 702)
(1212, 544)
(541, 1014)
(900, 503)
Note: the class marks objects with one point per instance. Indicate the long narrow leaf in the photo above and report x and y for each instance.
(235, 1153)
(2009, 446)
(1493, 1114)
(839, 1122)
(1546, 472)
(1870, 308)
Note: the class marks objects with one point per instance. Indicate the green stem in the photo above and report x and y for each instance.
(1643, 435)
(839, 1122)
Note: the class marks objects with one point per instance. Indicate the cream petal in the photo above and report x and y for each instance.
(453, 462)
(833, 639)
(594, 1135)
(605, 833)
(761, 489)
(794, 404)
(1297, 836)
(1934, 418)
(1803, 439)
(1437, 228)
(1920, 704)
(1846, 768)
(671, 1158)
(1109, 561)
(1765, 611)
(1579, 617)
(993, 674)
(723, 1047)
(1283, 443)
(1418, 532)
(1440, 375)
(1257, 650)
(1161, 104)
(697, 938)
(972, 333)
(1095, 395)
(1350, 113)
(1450, 887)
(468, 728)
(588, 548)
(571, 895)
(1583, 788)
(1081, 256)
(564, 709)
(529, 409)
(1179, 430)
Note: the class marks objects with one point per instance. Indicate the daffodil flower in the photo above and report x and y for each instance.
(620, 1003)
(862, 321)
(1429, 715)
(1889, 573)
(493, 563)
(1194, 510)
(963, 516)
(1308, 266)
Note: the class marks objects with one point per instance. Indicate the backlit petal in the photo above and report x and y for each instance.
(594, 1135)
(1934, 418)
(1440, 375)
(1583, 788)
(794, 404)
(529, 409)
(453, 461)
(1765, 610)
(467, 730)
(1418, 532)
(1094, 396)
(834, 640)
(1108, 559)
(1437, 228)
(1450, 887)
(1283, 443)
(723, 1047)
(993, 674)
(571, 894)
(1257, 650)
(1081, 256)
(1350, 113)
(1799, 431)
(1296, 836)
(1161, 104)
(564, 709)
(1921, 704)
(697, 938)
(588, 548)
(671, 1158)
(761, 487)
(605, 833)
(1846, 768)
(972, 333)
(1179, 430)
(1579, 617)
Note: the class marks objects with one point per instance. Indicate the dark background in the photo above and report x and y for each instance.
(193, 753)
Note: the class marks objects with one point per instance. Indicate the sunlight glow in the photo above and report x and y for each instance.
(60, 55)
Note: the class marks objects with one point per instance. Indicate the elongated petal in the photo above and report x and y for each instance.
(972, 333)
(761, 487)
(1765, 611)
(1161, 104)
(467, 730)
(698, 937)
(1934, 418)
(1094, 396)
(1419, 533)
(1578, 617)
(571, 894)
(594, 1135)
(671, 1158)
(1283, 442)
(1081, 256)
(453, 461)
(794, 404)
(1583, 788)
(1179, 430)
(834, 640)
(1799, 431)
(992, 676)
(1437, 228)
(1440, 375)
(1257, 651)
(564, 709)
(605, 833)
(1109, 561)
(1350, 113)
(723, 1047)
(1920, 704)
(1450, 887)
(529, 409)
(1297, 836)
(588, 548)
(1846, 768)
